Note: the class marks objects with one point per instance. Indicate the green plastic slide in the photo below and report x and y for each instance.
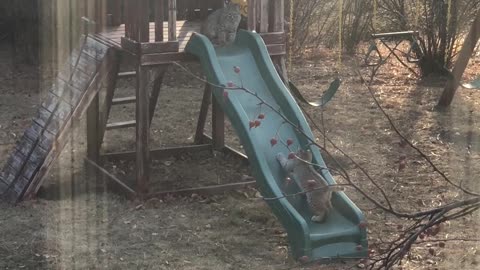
(342, 235)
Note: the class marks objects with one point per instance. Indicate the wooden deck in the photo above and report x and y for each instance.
(164, 52)
(185, 29)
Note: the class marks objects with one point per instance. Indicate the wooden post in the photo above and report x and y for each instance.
(115, 11)
(172, 20)
(252, 15)
(465, 53)
(159, 18)
(128, 19)
(142, 18)
(218, 125)
(263, 16)
(202, 117)
(93, 145)
(278, 25)
(142, 131)
(278, 13)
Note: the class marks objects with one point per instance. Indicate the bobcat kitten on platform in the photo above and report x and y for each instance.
(319, 198)
(221, 26)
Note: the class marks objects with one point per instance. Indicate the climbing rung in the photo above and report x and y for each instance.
(118, 125)
(127, 74)
(124, 100)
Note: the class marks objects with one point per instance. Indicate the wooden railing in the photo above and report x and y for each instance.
(266, 16)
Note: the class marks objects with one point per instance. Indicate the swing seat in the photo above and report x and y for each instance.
(475, 84)
(326, 97)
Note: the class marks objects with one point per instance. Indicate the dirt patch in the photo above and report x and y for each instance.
(84, 225)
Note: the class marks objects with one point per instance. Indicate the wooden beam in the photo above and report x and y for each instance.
(142, 131)
(159, 153)
(167, 58)
(111, 84)
(110, 176)
(156, 87)
(465, 54)
(202, 117)
(205, 191)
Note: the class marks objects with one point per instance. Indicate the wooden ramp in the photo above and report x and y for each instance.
(73, 90)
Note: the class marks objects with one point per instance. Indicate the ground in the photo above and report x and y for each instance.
(79, 223)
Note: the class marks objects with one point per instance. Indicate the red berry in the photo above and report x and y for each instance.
(236, 69)
(441, 244)
(359, 247)
(362, 225)
(225, 94)
(291, 155)
(273, 141)
(421, 236)
(230, 84)
(251, 124)
(289, 142)
(257, 123)
(261, 116)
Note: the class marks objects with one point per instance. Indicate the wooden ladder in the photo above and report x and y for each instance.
(103, 112)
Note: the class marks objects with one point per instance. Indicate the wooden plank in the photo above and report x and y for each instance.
(159, 18)
(120, 125)
(263, 15)
(278, 13)
(462, 61)
(165, 58)
(252, 15)
(142, 131)
(110, 176)
(87, 98)
(205, 191)
(274, 38)
(277, 49)
(218, 125)
(159, 153)
(202, 116)
(123, 100)
(159, 47)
